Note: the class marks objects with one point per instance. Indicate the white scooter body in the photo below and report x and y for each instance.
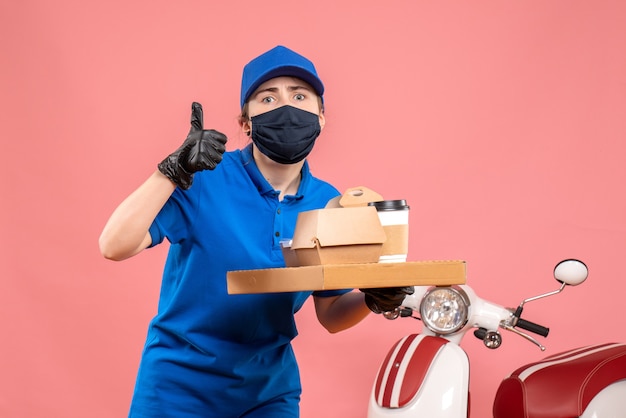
(422, 376)
(427, 375)
(608, 402)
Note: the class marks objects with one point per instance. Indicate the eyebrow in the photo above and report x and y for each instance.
(289, 88)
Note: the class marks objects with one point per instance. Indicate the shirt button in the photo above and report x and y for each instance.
(278, 211)
(277, 234)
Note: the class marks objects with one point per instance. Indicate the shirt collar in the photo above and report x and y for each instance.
(262, 185)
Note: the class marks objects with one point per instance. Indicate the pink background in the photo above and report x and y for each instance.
(501, 122)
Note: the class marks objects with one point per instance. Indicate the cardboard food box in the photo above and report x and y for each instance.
(346, 231)
(338, 236)
(346, 276)
(338, 247)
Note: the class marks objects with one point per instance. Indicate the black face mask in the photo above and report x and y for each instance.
(287, 134)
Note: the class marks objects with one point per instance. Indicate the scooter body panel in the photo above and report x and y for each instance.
(422, 376)
(608, 403)
(565, 385)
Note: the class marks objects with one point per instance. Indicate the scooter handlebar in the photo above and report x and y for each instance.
(532, 327)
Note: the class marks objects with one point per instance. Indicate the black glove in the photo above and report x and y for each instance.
(386, 299)
(202, 150)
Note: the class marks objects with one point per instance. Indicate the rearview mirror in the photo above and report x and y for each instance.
(571, 272)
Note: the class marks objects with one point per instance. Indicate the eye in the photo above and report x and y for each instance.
(267, 99)
(299, 97)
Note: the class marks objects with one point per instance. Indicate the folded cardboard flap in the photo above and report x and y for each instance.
(358, 196)
(291, 259)
(354, 196)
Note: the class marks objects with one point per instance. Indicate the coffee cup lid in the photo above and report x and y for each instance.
(390, 205)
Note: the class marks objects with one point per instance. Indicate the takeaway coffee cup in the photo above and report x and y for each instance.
(394, 217)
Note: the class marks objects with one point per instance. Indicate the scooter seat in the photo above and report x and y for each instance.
(561, 385)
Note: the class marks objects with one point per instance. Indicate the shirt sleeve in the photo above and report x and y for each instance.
(175, 217)
(329, 293)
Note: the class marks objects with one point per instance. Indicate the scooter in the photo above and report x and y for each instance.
(427, 375)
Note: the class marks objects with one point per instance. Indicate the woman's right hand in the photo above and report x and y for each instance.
(202, 150)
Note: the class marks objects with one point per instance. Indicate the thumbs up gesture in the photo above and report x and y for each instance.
(202, 150)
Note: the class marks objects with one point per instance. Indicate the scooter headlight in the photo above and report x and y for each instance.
(444, 310)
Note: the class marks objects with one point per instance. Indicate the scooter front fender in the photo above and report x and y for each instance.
(422, 376)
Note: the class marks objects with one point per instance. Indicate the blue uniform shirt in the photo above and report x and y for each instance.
(209, 353)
